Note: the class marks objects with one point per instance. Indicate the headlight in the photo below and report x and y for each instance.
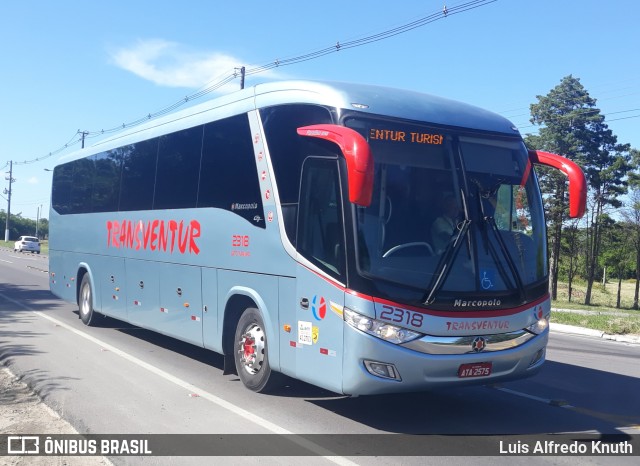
(377, 328)
(540, 326)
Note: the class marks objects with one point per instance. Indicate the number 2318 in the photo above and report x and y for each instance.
(395, 314)
(240, 241)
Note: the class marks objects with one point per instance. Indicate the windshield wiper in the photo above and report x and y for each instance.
(450, 253)
(491, 221)
(505, 253)
(447, 259)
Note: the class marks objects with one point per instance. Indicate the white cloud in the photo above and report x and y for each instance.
(33, 180)
(171, 64)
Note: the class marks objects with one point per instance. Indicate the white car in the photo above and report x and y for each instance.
(27, 243)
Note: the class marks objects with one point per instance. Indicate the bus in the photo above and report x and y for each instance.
(362, 239)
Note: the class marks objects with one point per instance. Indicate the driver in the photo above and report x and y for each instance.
(444, 226)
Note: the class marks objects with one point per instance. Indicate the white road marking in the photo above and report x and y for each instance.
(270, 426)
(547, 401)
(8, 262)
(25, 258)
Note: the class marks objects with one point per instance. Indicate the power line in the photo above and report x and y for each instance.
(226, 79)
(580, 111)
(594, 111)
(607, 89)
(626, 118)
(614, 119)
(73, 141)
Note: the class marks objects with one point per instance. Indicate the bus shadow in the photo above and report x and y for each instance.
(197, 353)
(288, 387)
(613, 405)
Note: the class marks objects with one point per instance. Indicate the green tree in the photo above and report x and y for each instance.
(20, 226)
(615, 253)
(606, 166)
(632, 216)
(562, 117)
(572, 126)
(572, 253)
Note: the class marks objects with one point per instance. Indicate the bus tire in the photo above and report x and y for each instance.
(85, 301)
(250, 353)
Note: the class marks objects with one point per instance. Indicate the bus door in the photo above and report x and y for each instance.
(321, 273)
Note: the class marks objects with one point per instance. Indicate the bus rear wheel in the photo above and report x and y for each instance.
(85, 301)
(250, 353)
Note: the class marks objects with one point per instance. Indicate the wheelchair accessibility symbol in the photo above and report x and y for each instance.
(486, 282)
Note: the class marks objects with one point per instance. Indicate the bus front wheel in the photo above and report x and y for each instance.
(85, 301)
(250, 352)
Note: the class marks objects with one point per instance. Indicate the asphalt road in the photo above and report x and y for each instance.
(116, 378)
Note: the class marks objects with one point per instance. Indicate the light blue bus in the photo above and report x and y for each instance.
(363, 239)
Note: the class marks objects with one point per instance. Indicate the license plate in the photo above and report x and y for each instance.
(477, 369)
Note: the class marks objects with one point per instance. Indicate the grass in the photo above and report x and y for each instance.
(611, 323)
(602, 297)
(601, 314)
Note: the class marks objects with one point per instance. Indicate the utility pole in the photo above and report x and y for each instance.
(38, 219)
(8, 193)
(242, 73)
(83, 134)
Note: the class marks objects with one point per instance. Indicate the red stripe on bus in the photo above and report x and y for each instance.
(460, 313)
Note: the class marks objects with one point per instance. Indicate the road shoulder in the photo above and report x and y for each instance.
(22, 412)
(572, 329)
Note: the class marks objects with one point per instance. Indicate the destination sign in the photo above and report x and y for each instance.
(405, 136)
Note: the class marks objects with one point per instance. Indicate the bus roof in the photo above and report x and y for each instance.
(387, 101)
(376, 100)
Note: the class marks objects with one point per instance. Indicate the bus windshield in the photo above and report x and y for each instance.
(450, 213)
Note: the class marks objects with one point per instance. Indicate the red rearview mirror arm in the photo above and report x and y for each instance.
(577, 181)
(357, 153)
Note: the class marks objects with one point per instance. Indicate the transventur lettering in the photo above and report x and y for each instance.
(478, 325)
(154, 235)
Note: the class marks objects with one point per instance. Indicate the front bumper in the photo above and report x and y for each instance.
(419, 371)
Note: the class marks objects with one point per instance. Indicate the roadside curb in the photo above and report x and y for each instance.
(5, 249)
(562, 328)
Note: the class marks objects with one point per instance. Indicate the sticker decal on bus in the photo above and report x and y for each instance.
(318, 307)
(154, 235)
(242, 242)
(305, 333)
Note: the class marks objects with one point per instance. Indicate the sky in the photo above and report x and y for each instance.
(73, 65)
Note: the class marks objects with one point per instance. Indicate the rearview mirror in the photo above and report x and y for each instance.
(356, 152)
(577, 181)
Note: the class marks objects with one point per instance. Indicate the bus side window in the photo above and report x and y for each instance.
(288, 150)
(138, 176)
(228, 173)
(61, 191)
(320, 227)
(178, 169)
(106, 184)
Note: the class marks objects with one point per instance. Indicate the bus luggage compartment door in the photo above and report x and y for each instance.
(181, 303)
